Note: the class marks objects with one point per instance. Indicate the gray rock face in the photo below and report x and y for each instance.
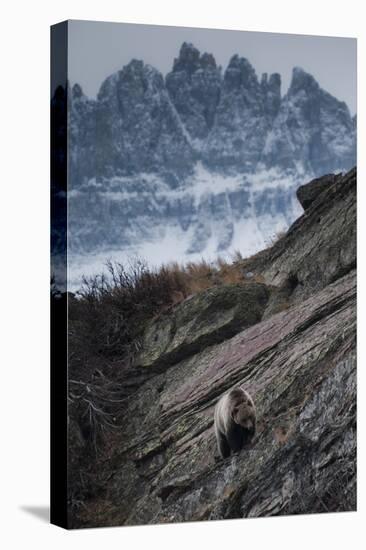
(307, 193)
(204, 319)
(243, 118)
(298, 363)
(135, 127)
(319, 247)
(271, 90)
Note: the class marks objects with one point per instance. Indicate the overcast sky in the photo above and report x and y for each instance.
(98, 49)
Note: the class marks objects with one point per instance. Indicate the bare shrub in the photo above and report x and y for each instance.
(112, 309)
(96, 406)
(110, 312)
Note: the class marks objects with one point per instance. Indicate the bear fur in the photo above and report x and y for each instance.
(235, 421)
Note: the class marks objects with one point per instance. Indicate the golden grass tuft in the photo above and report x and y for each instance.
(198, 276)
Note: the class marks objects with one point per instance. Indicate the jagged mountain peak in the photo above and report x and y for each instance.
(271, 83)
(108, 87)
(188, 59)
(207, 60)
(191, 60)
(194, 87)
(232, 121)
(242, 63)
(137, 76)
(138, 67)
(77, 91)
(313, 131)
(302, 80)
(240, 73)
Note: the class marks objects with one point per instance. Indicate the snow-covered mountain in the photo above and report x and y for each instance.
(196, 164)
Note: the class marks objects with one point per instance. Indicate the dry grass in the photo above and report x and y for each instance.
(111, 309)
(199, 276)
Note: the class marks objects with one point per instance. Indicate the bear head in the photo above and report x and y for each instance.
(244, 415)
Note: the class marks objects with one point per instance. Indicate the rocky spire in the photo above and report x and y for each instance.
(143, 122)
(301, 80)
(271, 90)
(194, 86)
(190, 59)
(240, 73)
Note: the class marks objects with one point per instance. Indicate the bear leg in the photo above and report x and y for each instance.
(235, 439)
(223, 446)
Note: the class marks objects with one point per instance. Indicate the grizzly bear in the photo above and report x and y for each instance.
(235, 421)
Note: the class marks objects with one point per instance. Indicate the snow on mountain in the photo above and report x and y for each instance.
(198, 164)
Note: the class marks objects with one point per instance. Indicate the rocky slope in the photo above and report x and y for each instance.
(286, 333)
(203, 161)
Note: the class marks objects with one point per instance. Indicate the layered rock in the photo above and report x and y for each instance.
(299, 363)
(220, 212)
(320, 246)
(309, 192)
(205, 319)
